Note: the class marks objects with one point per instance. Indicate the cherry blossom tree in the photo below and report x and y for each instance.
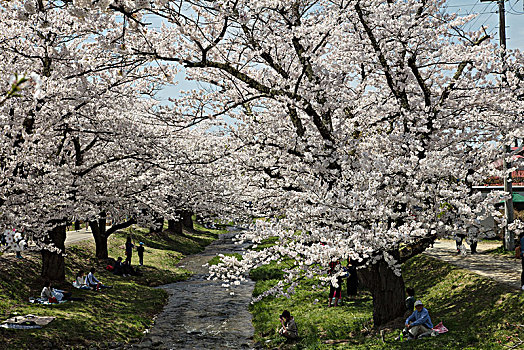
(362, 125)
(72, 120)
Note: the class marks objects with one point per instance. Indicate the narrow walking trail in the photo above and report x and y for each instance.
(77, 236)
(500, 268)
(201, 314)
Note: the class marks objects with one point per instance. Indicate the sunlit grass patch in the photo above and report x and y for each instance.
(217, 259)
(479, 313)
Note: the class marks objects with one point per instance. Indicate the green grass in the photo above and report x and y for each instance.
(501, 251)
(216, 260)
(480, 313)
(120, 314)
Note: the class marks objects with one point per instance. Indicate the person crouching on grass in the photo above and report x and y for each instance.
(289, 328)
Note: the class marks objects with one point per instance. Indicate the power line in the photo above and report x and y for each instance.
(480, 13)
(515, 12)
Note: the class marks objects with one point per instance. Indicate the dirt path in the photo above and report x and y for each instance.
(77, 236)
(501, 268)
(201, 314)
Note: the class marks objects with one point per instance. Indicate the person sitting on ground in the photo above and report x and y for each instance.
(289, 328)
(93, 282)
(410, 302)
(80, 281)
(419, 323)
(118, 267)
(128, 270)
(53, 295)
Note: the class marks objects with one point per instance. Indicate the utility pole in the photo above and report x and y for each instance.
(509, 236)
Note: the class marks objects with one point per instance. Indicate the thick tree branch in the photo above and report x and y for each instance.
(399, 95)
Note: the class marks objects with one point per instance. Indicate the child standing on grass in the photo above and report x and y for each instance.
(140, 250)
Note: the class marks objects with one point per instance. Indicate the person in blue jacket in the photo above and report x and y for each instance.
(522, 260)
(419, 322)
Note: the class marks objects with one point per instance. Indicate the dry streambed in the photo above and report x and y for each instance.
(201, 314)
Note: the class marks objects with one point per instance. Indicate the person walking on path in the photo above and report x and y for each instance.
(459, 239)
(129, 249)
(140, 250)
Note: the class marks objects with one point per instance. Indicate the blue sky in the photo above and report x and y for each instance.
(488, 17)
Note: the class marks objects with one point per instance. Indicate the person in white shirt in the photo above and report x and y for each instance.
(80, 281)
(93, 282)
(49, 293)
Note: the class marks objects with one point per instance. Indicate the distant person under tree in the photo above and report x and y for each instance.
(129, 249)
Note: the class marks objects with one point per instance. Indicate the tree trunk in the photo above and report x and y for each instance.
(98, 228)
(175, 226)
(158, 225)
(53, 264)
(187, 220)
(100, 234)
(387, 290)
(77, 225)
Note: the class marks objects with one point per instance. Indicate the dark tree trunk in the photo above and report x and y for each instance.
(77, 225)
(53, 264)
(98, 228)
(100, 234)
(175, 226)
(187, 220)
(387, 290)
(158, 225)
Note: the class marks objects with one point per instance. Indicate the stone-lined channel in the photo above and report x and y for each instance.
(200, 313)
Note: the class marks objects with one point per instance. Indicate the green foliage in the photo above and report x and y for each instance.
(215, 260)
(266, 243)
(316, 323)
(501, 251)
(271, 271)
(480, 313)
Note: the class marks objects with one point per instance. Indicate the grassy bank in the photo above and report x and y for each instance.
(103, 319)
(479, 313)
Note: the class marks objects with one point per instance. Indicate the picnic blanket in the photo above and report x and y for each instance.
(27, 322)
